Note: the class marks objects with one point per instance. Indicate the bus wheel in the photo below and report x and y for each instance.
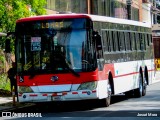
(108, 99)
(138, 91)
(144, 87)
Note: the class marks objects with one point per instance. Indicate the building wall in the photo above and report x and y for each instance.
(113, 8)
(146, 13)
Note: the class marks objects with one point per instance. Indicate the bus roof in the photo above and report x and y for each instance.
(92, 17)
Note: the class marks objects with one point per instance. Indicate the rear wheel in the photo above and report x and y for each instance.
(144, 87)
(138, 91)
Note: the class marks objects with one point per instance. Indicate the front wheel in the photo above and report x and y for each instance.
(108, 99)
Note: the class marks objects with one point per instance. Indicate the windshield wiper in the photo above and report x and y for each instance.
(70, 69)
(66, 64)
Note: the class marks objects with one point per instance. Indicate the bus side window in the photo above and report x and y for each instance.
(110, 41)
(130, 42)
(115, 40)
(121, 41)
(118, 40)
(133, 37)
(142, 42)
(144, 39)
(138, 41)
(108, 44)
(127, 41)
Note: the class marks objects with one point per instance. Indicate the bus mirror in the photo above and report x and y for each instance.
(97, 40)
(7, 45)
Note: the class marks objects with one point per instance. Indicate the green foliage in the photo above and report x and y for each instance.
(5, 85)
(11, 10)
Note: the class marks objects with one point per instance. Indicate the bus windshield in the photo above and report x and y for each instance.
(54, 46)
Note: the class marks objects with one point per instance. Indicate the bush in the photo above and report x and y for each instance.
(3, 84)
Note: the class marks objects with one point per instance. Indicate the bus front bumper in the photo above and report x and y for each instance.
(62, 96)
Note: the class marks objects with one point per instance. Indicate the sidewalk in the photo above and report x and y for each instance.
(6, 104)
(157, 77)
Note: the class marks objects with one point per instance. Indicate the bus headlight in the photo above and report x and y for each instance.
(88, 85)
(24, 89)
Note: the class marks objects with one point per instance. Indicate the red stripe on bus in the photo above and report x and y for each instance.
(130, 74)
(74, 92)
(93, 91)
(45, 95)
(64, 93)
(126, 74)
(84, 92)
(33, 95)
(54, 94)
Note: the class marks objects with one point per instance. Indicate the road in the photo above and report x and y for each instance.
(147, 107)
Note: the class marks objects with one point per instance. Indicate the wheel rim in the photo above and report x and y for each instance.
(140, 84)
(108, 99)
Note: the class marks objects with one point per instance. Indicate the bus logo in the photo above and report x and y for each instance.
(54, 78)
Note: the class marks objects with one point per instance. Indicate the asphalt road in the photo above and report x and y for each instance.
(146, 107)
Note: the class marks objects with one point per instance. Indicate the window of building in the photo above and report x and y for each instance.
(101, 7)
(75, 6)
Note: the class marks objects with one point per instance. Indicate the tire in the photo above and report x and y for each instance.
(108, 99)
(144, 87)
(138, 91)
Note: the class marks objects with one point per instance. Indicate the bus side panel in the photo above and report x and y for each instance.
(103, 80)
(126, 74)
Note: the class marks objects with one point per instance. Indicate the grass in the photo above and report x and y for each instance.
(3, 84)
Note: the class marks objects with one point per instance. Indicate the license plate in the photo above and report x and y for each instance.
(56, 98)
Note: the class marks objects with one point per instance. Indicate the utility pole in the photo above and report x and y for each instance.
(129, 6)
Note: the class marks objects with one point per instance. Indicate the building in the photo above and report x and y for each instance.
(139, 10)
(113, 8)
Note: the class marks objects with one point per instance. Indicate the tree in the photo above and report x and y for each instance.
(11, 10)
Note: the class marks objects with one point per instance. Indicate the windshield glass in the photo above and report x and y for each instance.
(54, 46)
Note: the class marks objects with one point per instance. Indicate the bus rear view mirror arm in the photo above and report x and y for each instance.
(97, 40)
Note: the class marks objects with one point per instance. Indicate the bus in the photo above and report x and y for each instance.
(156, 43)
(68, 57)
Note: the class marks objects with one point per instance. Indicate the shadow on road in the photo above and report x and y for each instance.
(69, 106)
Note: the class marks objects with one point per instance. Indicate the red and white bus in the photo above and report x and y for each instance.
(66, 57)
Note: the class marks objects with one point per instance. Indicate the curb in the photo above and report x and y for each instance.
(17, 106)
